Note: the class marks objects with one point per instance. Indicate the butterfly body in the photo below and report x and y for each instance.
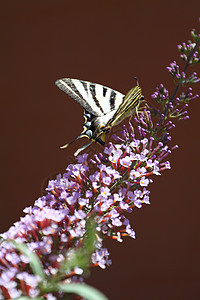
(97, 127)
(104, 107)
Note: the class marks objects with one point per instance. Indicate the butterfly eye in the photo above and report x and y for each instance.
(142, 98)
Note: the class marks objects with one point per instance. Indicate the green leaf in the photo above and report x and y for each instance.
(84, 290)
(34, 262)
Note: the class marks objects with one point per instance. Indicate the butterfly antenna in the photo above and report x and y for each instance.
(136, 80)
(82, 148)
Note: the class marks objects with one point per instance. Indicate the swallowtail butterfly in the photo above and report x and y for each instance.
(104, 107)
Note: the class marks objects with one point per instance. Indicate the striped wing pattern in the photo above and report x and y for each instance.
(95, 98)
(104, 107)
(130, 103)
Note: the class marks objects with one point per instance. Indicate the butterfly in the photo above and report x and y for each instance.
(104, 107)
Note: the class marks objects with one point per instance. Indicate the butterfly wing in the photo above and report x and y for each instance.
(97, 99)
(100, 104)
(129, 105)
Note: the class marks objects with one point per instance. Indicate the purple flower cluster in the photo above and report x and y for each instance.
(161, 95)
(187, 48)
(190, 52)
(174, 71)
(173, 108)
(181, 76)
(117, 184)
(176, 106)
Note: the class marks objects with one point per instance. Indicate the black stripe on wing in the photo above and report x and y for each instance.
(93, 93)
(74, 88)
(104, 91)
(67, 86)
(112, 100)
(84, 85)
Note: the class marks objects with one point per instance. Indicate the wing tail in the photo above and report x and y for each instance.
(66, 145)
(80, 149)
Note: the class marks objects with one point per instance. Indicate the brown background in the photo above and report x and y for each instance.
(106, 42)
